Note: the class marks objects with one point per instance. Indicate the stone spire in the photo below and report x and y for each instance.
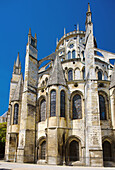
(17, 61)
(113, 78)
(35, 36)
(88, 15)
(17, 65)
(57, 75)
(88, 8)
(29, 31)
(77, 27)
(64, 31)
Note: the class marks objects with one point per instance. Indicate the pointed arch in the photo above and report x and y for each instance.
(76, 107)
(73, 54)
(99, 75)
(53, 103)
(62, 103)
(69, 54)
(16, 110)
(43, 110)
(70, 75)
(102, 107)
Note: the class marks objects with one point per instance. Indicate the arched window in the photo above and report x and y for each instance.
(102, 107)
(69, 54)
(70, 75)
(77, 74)
(99, 75)
(105, 76)
(16, 108)
(76, 107)
(73, 54)
(74, 151)
(43, 149)
(43, 110)
(62, 104)
(11, 115)
(107, 151)
(53, 103)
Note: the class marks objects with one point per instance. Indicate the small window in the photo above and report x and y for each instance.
(76, 107)
(62, 104)
(99, 75)
(53, 103)
(73, 54)
(16, 108)
(70, 75)
(43, 149)
(43, 110)
(11, 115)
(102, 107)
(69, 55)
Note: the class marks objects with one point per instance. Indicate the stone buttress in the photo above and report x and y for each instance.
(26, 146)
(94, 156)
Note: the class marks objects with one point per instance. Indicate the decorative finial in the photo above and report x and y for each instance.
(35, 36)
(64, 31)
(29, 31)
(77, 27)
(89, 8)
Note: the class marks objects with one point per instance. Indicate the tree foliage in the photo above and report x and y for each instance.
(3, 127)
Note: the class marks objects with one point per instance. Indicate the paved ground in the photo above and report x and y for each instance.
(19, 166)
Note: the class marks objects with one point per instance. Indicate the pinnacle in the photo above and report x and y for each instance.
(29, 31)
(89, 8)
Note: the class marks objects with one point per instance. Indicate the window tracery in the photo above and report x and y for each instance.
(62, 104)
(53, 103)
(76, 107)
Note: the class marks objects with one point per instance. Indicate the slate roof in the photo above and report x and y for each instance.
(57, 75)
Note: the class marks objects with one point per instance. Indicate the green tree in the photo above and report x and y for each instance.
(3, 127)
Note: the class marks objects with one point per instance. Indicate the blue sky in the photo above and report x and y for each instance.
(47, 18)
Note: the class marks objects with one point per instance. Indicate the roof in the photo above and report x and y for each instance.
(57, 75)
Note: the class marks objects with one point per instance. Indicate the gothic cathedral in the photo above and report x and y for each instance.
(63, 113)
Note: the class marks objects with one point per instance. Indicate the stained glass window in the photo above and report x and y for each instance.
(43, 149)
(11, 115)
(53, 103)
(73, 54)
(69, 55)
(76, 107)
(62, 103)
(70, 75)
(99, 75)
(43, 110)
(102, 107)
(16, 108)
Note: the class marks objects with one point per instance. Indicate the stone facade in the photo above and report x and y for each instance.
(64, 112)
